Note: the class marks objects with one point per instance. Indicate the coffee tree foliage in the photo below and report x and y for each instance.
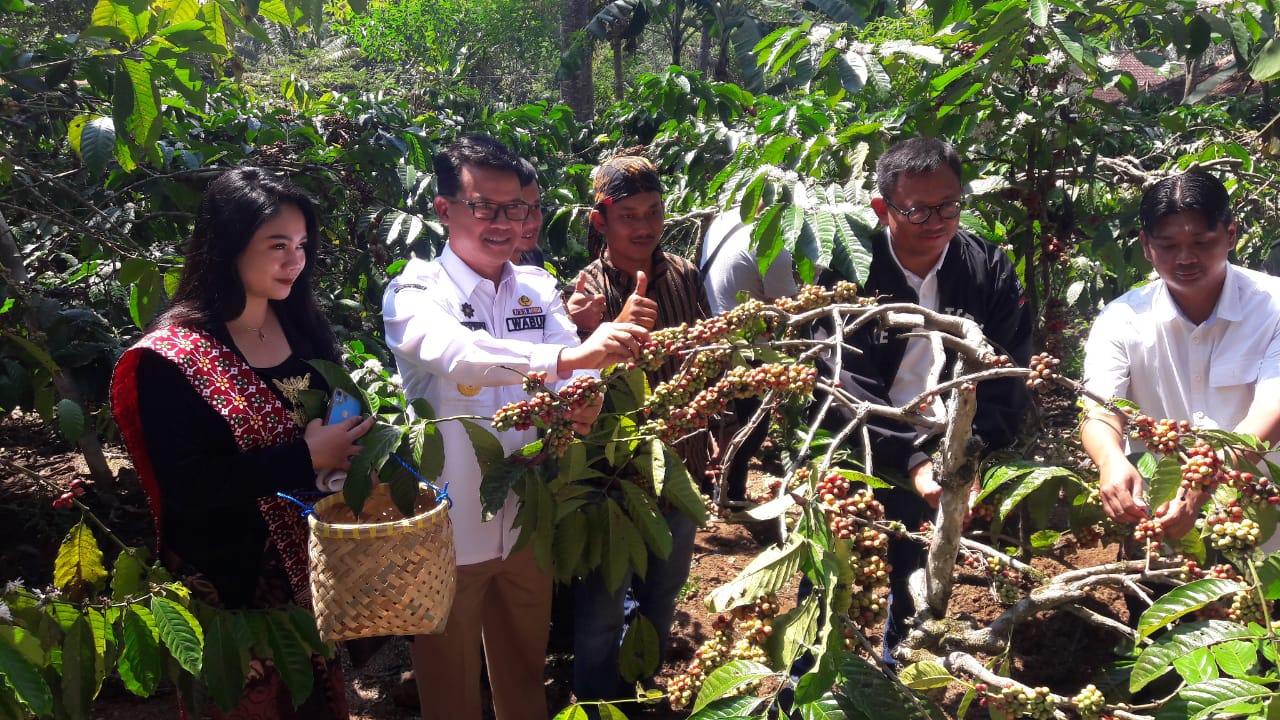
(112, 127)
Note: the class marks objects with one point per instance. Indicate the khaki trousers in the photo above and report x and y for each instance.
(506, 605)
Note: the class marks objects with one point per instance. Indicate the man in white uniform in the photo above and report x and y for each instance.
(464, 329)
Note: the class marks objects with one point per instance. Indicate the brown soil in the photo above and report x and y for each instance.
(1057, 650)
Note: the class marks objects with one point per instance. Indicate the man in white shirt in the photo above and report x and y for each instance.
(1201, 343)
(729, 267)
(464, 329)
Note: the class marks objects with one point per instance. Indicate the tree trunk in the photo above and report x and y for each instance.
(578, 92)
(618, 88)
(704, 49)
(9, 255)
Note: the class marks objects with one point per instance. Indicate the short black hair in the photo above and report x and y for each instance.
(478, 150)
(917, 156)
(1192, 191)
(528, 173)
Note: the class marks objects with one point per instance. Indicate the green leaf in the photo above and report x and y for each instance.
(375, 447)
(143, 122)
(1029, 484)
(573, 712)
(826, 707)
(487, 447)
(680, 489)
(729, 677)
(638, 657)
(794, 630)
(180, 633)
(1038, 12)
(1266, 64)
(24, 679)
(78, 669)
(643, 510)
(1156, 659)
(291, 658)
(1164, 482)
(1236, 657)
(866, 692)
(225, 663)
(925, 676)
(1196, 666)
(128, 573)
(1221, 695)
(140, 659)
(70, 420)
(569, 545)
(1269, 576)
(622, 558)
(116, 21)
(770, 571)
(336, 377)
(730, 708)
(304, 623)
(428, 448)
(1182, 600)
(772, 509)
(79, 560)
(496, 485)
(652, 464)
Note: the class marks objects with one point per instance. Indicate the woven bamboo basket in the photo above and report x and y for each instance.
(384, 577)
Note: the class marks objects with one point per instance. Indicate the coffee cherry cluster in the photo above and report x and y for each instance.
(1089, 702)
(1229, 529)
(1202, 469)
(738, 382)
(1022, 701)
(1246, 608)
(1090, 536)
(685, 385)
(550, 410)
(67, 499)
(1149, 530)
(1255, 489)
(1161, 435)
(861, 548)
(535, 382)
(739, 635)
(814, 296)
(1043, 368)
(1006, 582)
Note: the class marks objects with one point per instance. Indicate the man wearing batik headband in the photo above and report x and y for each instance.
(634, 281)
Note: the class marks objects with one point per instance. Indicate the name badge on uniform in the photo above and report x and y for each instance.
(517, 323)
(473, 325)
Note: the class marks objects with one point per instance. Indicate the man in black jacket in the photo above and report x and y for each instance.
(922, 256)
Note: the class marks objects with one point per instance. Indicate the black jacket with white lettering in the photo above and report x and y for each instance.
(976, 281)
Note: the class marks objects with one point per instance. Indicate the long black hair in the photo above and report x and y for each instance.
(210, 291)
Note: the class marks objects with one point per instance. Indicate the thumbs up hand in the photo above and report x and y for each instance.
(585, 309)
(639, 309)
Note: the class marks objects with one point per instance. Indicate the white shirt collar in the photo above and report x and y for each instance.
(463, 277)
(1228, 306)
(912, 278)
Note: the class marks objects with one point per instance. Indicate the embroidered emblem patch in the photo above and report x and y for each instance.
(525, 301)
(467, 310)
(469, 390)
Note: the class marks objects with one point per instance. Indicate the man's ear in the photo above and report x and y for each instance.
(441, 205)
(1231, 233)
(881, 209)
(598, 220)
(1146, 246)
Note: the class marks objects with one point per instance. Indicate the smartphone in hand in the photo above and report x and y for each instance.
(341, 407)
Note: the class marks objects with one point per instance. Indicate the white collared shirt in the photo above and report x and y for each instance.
(913, 371)
(460, 342)
(1142, 348)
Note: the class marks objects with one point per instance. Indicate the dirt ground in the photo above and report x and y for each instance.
(30, 530)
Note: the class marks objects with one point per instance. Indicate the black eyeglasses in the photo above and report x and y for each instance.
(484, 210)
(920, 215)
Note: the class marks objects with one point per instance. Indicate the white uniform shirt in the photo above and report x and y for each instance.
(1142, 348)
(454, 336)
(734, 267)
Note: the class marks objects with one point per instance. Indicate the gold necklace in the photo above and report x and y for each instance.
(262, 336)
